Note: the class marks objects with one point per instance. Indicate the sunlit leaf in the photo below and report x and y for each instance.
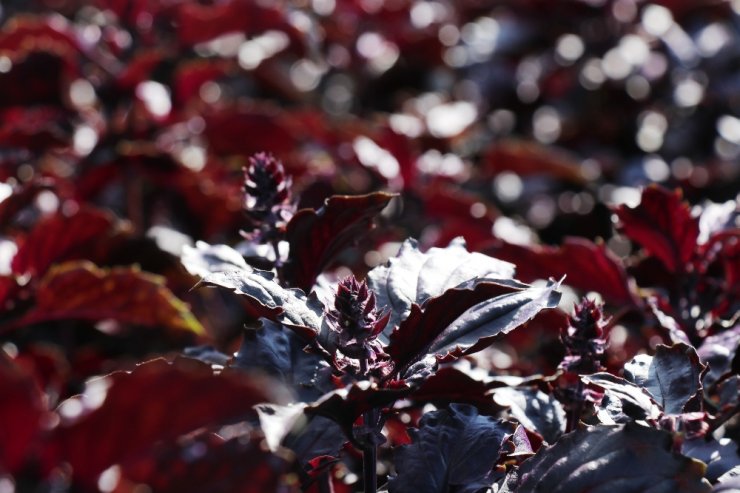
(82, 291)
(663, 225)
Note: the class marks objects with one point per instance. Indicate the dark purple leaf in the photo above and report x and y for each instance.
(278, 351)
(728, 389)
(412, 277)
(623, 400)
(454, 449)
(406, 345)
(448, 326)
(673, 377)
(448, 385)
(720, 456)
(307, 436)
(627, 458)
(316, 237)
(345, 405)
(717, 352)
(208, 355)
(663, 225)
(538, 412)
(672, 329)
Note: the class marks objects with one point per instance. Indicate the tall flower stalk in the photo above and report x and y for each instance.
(585, 346)
(354, 324)
(267, 200)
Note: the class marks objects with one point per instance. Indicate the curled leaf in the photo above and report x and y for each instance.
(412, 277)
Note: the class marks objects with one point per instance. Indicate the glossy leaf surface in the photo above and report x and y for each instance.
(627, 458)
(269, 298)
(412, 277)
(449, 324)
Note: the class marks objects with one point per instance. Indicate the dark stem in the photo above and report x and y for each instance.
(276, 249)
(576, 409)
(325, 483)
(722, 419)
(369, 451)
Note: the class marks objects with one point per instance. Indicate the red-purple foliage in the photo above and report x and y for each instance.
(570, 302)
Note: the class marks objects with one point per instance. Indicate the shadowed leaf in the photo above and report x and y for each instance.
(274, 349)
(449, 385)
(20, 414)
(720, 456)
(672, 376)
(717, 352)
(627, 458)
(536, 411)
(345, 405)
(454, 449)
(623, 400)
(207, 463)
(158, 401)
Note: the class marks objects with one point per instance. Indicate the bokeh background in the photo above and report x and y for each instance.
(505, 122)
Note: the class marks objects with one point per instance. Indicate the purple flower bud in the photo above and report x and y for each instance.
(355, 322)
(585, 339)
